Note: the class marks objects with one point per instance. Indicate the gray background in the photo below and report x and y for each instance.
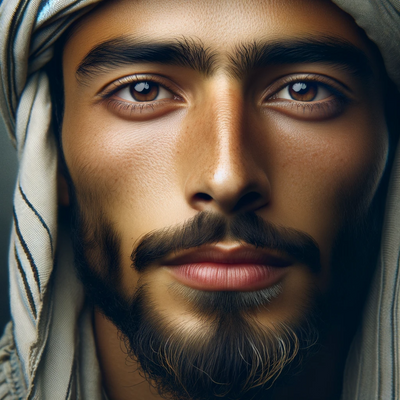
(8, 171)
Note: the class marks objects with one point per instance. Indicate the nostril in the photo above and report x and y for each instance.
(202, 197)
(247, 199)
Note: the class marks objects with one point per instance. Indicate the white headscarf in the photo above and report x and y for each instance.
(373, 364)
(46, 298)
(52, 332)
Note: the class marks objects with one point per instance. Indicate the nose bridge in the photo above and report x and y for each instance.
(225, 168)
(226, 127)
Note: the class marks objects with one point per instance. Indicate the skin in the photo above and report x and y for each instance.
(222, 138)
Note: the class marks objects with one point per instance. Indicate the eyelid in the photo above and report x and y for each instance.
(140, 111)
(125, 81)
(311, 111)
(338, 88)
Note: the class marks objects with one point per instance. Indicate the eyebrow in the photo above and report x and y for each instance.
(330, 50)
(125, 50)
(191, 53)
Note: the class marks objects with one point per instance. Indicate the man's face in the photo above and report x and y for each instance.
(234, 141)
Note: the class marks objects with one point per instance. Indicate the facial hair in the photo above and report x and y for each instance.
(229, 354)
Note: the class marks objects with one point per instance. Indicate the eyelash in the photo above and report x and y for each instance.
(326, 107)
(323, 108)
(125, 106)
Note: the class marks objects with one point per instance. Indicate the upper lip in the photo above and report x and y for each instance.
(233, 255)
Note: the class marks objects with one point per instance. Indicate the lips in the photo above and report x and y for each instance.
(216, 268)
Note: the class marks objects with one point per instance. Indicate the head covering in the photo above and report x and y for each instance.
(53, 345)
(373, 364)
(46, 298)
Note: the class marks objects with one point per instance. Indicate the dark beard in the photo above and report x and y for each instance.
(229, 354)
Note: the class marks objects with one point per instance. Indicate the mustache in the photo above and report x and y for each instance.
(210, 228)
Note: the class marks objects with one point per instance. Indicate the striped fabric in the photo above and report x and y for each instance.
(48, 351)
(45, 307)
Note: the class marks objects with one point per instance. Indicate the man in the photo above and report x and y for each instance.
(223, 166)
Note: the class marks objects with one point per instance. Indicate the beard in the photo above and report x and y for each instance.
(229, 354)
(225, 356)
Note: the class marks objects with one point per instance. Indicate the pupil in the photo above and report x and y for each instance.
(303, 91)
(300, 87)
(144, 91)
(142, 87)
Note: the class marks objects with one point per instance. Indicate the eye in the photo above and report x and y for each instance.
(310, 97)
(304, 91)
(142, 97)
(144, 91)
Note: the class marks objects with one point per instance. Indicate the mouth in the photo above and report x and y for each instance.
(239, 268)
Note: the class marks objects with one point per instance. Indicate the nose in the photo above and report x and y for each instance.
(226, 171)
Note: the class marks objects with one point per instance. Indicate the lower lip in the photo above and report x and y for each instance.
(225, 277)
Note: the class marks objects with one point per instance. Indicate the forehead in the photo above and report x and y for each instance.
(221, 25)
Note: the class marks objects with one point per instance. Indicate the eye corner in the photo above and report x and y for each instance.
(318, 97)
(159, 96)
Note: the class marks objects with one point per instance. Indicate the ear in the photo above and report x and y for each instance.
(62, 189)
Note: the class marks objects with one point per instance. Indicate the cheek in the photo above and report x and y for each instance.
(325, 169)
(120, 164)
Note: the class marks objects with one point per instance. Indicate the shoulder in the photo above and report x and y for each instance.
(12, 385)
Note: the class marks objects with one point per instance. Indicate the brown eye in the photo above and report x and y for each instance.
(303, 91)
(309, 99)
(144, 90)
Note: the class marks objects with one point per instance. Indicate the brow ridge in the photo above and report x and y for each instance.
(246, 56)
(308, 49)
(125, 50)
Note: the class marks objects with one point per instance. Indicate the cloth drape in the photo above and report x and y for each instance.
(373, 364)
(51, 327)
(46, 298)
